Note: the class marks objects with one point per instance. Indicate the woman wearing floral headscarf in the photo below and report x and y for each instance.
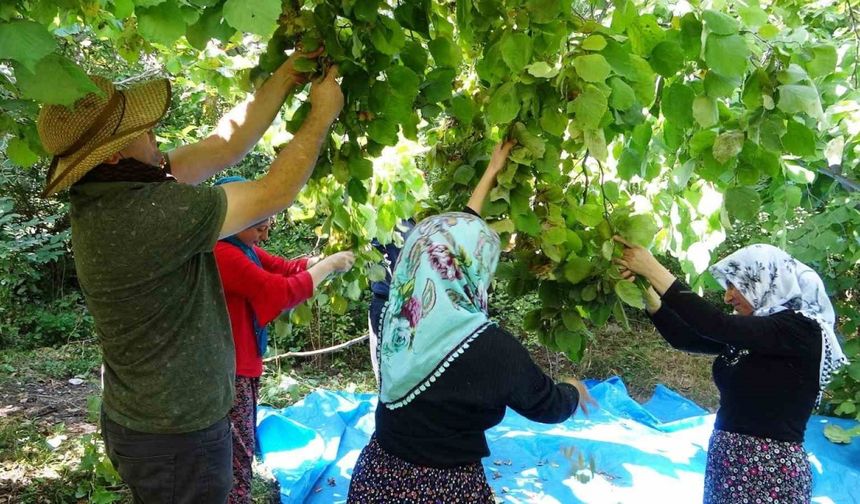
(775, 355)
(448, 372)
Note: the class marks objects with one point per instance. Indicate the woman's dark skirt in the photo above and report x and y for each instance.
(747, 469)
(380, 477)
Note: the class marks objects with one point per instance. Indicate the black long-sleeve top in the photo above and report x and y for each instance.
(444, 425)
(766, 367)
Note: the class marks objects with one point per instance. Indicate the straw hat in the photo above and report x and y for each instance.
(85, 135)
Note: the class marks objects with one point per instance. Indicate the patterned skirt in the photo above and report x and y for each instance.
(747, 469)
(382, 478)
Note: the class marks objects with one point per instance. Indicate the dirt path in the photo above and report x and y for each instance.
(41, 412)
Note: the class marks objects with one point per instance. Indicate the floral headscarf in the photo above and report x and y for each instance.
(773, 281)
(437, 303)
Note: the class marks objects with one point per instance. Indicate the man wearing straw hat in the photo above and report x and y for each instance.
(143, 237)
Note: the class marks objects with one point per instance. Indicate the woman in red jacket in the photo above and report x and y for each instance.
(258, 287)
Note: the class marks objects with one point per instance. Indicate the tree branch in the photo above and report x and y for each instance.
(318, 352)
(856, 39)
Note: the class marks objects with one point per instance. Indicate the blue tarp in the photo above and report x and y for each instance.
(625, 452)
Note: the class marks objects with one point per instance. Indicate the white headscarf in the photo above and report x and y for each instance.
(773, 281)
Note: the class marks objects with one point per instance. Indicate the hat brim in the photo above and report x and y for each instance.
(145, 105)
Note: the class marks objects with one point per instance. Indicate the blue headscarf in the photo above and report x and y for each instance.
(437, 304)
(260, 331)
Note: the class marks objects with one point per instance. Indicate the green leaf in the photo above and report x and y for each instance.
(728, 145)
(705, 111)
(691, 36)
(630, 293)
(837, 434)
(503, 226)
(19, 153)
(619, 58)
(702, 141)
(719, 23)
(360, 168)
(667, 59)
(620, 315)
(253, 16)
(798, 98)
(388, 37)
(846, 408)
(211, 25)
(823, 61)
(577, 269)
(854, 371)
(415, 16)
(630, 163)
(622, 97)
(542, 70)
(645, 34)
(357, 191)
(572, 321)
(595, 142)
(414, 56)
(529, 140)
(589, 107)
(301, 315)
(555, 235)
(798, 139)
(438, 85)
(742, 203)
(752, 15)
(589, 214)
(545, 11)
(794, 74)
(41, 85)
(504, 104)
(305, 65)
(383, 131)
(553, 121)
(768, 32)
(463, 108)
(793, 197)
(492, 67)
(594, 42)
(148, 3)
(640, 229)
(366, 10)
(445, 52)
(727, 55)
(404, 82)
(677, 104)
(376, 273)
(123, 8)
(643, 80)
(162, 24)
(527, 222)
(464, 174)
(592, 67)
(25, 42)
(516, 50)
(718, 86)
(532, 319)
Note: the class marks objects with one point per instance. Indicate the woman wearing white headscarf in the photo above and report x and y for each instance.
(775, 356)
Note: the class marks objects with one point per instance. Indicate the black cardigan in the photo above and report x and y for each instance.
(444, 425)
(767, 367)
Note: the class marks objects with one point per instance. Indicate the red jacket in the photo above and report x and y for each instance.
(278, 286)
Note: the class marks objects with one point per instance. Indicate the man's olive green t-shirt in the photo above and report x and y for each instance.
(144, 258)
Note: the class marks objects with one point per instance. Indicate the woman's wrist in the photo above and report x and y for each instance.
(660, 278)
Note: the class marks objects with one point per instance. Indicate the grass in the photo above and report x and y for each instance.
(643, 359)
(79, 359)
(35, 472)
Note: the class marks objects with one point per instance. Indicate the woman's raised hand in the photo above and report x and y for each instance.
(637, 260)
